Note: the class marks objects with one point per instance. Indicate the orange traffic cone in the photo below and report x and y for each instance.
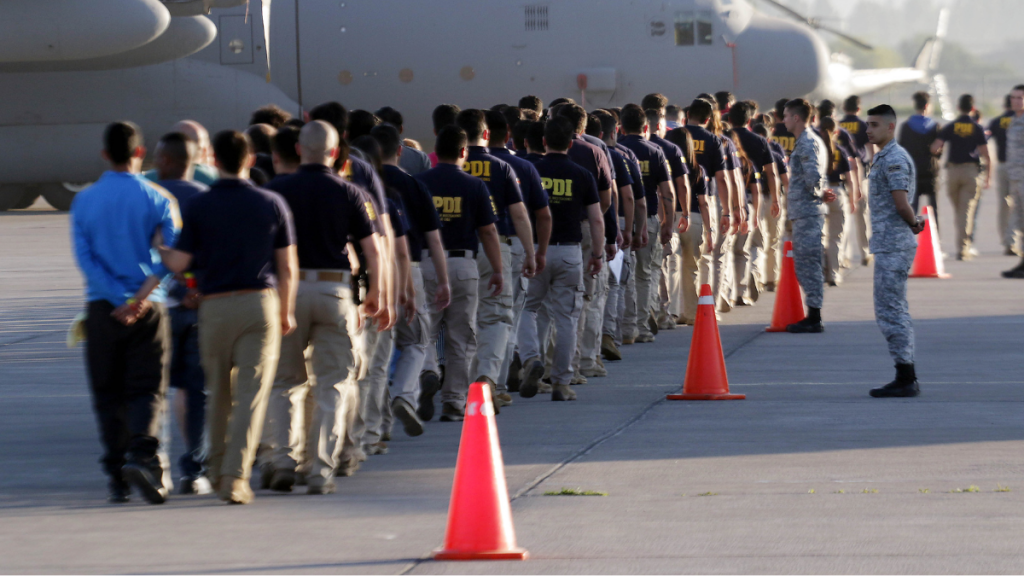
(705, 370)
(479, 515)
(928, 259)
(789, 304)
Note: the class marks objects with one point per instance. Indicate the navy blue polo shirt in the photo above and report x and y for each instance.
(732, 157)
(533, 158)
(184, 190)
(708, 149)
(699, 186)
(529, 180)
(362, 174)
(232, 232)
(858, 130)
(653, 167)
(997, 128)
(634, 171)
(784, 137)
(462, 202)
(755, 147)
(593, 159)
(421, 216)
(674, 156)
(327, 211)
(840, 162)
(501, 181)
(963, 135)
(571, 189)
(780, 158)
(396, 210)
(604, 148)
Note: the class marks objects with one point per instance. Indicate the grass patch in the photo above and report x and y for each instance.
(971, 489)
(923, 490)
(708, 494)
(1001, 488)
(869, 491)
(811, 491)
(840, 492)
(575, 492)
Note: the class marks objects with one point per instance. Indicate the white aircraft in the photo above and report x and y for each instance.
(67, 67)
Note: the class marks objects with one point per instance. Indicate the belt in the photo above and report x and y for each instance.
(461, 254)
(505, 239)
(564, 244)
(232, 293)
(325, 275)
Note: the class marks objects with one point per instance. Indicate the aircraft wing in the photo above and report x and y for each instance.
(865, 81)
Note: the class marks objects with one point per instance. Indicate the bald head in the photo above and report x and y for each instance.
(196, 133)
(318, 143)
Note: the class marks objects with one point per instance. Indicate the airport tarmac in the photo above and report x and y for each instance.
(807, 475)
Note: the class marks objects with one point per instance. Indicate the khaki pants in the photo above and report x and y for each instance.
(648, 263)
(366, 345)
(460, 327)
(559, 289)
(769, 241)
(1017, 197)
(615, 303)
(519, 284)
(411, 341)
(493, 317)
(1009, 221)
(376, 405)
(721, 276)
(691, 248)
(835, 224)
(240, 342)
(326, 317)
(629, 315)
(669, 289)
(741, 261)
(964, 188)
(595, 295)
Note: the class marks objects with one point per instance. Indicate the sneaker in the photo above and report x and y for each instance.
(451, 413)
(503, 399)
(514, 369)
(609, 350)
(594, 372)
(118, 491)
(147, 479)
(562, 393)
(283, 480)
(234, 490)
(578, 379)
(533, 371)
(1016, 272)
(494, 392)
(666, 324)
(544, 388)
(376, 449)
(385, 437)
(644, 338)
(321, 488)
(199, 486)
(430, 384)
(806, 326)
(411, 422)
(345, 468)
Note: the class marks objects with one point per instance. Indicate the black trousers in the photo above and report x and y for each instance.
(927, 186)
(128, 375)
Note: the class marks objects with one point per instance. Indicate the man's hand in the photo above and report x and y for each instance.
(645, 236)
(288, 323)
(409, 307)
(627, 239)
(529, 266)
(542, 262)
(610, 250)
(776, 209)
(192, 299)
(386, 318)
(666, 232)
(443, 296)
(828, 196)
(496, 283)
(724, 224)
(128, 314)
(707, 241)
(619, 239)
(738, 220)
(684, 224)
(370, 308)
(919, 227)
(594, 265)
(744, 227)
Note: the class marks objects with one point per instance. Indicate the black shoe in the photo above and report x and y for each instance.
(118, 491)
(430, 384)
(1016, 272)
(534, 373)
(283, 480)
(451, 413)
(148, 479)
(513, 373)
(806, 326)
(652, 324)
(407, 416)
(266, 475)
(904, 386)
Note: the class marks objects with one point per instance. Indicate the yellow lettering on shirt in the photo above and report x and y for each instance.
(370, 212)
(851, 127)
(479, 168)
(698, 146)
(645, 168)
(558, 189)
(963, 129)
(787, 142)
(448, 208)
(1004, 123)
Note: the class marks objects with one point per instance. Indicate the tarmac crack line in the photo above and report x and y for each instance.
(591, 446)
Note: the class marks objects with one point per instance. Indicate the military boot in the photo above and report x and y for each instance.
(904, 386)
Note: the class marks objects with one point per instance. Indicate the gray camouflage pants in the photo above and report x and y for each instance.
(807, 254)
(891, 310)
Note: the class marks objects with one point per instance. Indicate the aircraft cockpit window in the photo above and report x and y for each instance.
(704, 32)
(684, 28)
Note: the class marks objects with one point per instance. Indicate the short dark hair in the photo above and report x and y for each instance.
(672, 112)
(780, 107)
(966, 103)
(519, 132)
(296, 123)
(360, 122)
(1006, 102)
(530, 114)
(513, 115)
(535, 136)
(576, 116)
(260, 135)
(739, 114)
(760, 130)
(444, 115)
(370, 148)
(391, 116)
(270, 114)
(450, 141)
(851, 104)
(653, 117)
(654, 100)
(178, 147)
(608, 123)
(497, 127)
(558, 133)
(284, 145)
(1018, 88)
(120, 140)
(230, 147)
(334, 114)
(389, 139)
(700, 110)
(473, 122)
(593, 126)
(558, 101)
(632, 119)
(724, 99)
(826, 108)
(883, 110)
(800, 107)
(921, 100)
(532, 102)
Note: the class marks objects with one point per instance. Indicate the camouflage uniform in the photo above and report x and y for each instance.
(894, 246)
(1015, 165)
(807, 181)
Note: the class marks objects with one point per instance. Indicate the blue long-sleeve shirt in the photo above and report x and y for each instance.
(112, 227)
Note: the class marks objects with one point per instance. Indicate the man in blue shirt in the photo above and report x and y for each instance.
(1009, 233)
(174, 160)
(916, 136)
(115, 223)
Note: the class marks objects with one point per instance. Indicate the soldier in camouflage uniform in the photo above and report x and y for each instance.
(1015, 164)
(893, 226)
(808, 193)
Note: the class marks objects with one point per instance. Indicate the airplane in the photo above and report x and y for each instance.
(68, 68)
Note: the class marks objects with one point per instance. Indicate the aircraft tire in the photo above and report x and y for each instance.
(27, 199)
(10, 196)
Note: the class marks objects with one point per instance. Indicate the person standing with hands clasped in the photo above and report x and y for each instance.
(893, 226)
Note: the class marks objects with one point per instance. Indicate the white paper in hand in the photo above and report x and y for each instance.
(616, 265)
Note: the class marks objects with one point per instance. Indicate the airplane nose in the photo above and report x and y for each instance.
(778, 58)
